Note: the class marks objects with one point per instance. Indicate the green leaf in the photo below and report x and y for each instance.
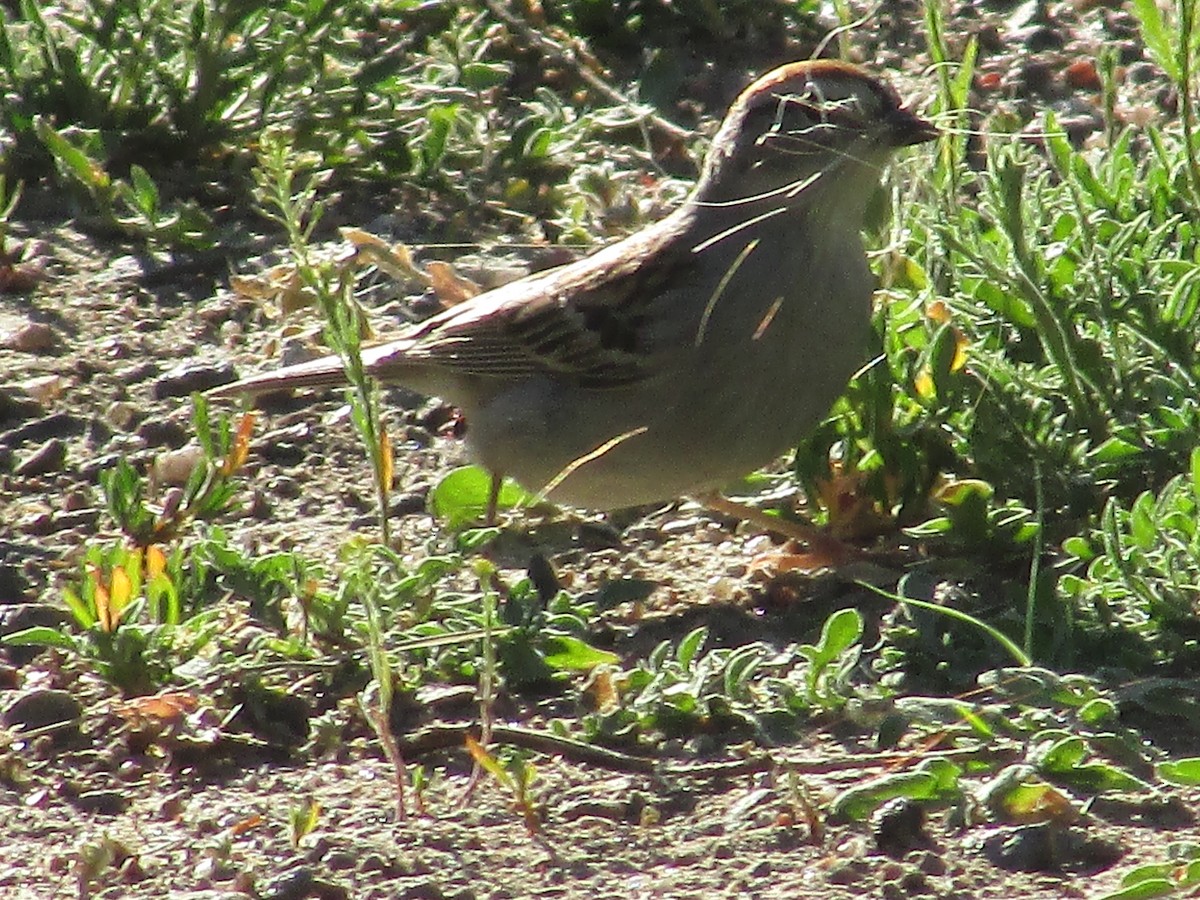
(84, 612)
(1182, 772)
(1065, 761)
(72, 160)
(1113, 450)
(1147, 872)
(935, 779)
(934, 527)
(1063, 755)
(433, 147)
(690, 646)
(570, 654)
(1158, 37)
(841, 630)
(1016, 652)
(1143, 890)
(144, 190)
(966, 490)
(480, 76)
(965, 76)
(475, 539)
(461, 497)
(39, 636)
(1100, 777)
(1096, 712)
(1006, 303)
(1079, 547)
(740, 667)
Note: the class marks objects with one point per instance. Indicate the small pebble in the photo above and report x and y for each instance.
(163, 433)
(122, 415)
(42, 707)
(289, 488)
(1082, 75)
(29, 337)
(78, 518)
(58, 424)
(102, 802)
(45, 389)
(899, 826)
(175, 466)
(49, 457)
(931, 864)
(140, 371)
(188, 377)
(16, 406)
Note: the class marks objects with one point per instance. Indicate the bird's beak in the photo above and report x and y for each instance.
(907, 128)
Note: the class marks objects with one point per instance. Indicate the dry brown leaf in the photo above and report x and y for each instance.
(852, 512)
(451, 288)
(604, 688)
(168, 707)
(247, 824)
(938, 311)
(394, 259)
(813, 558)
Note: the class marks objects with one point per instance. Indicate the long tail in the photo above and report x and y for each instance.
(327, 371)
(386, 361)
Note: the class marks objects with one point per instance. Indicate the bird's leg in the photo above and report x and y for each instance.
(819, 540)
(493, 501)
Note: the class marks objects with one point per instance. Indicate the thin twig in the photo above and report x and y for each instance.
(446, 737)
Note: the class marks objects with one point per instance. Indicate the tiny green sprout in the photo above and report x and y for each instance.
(303, 819)
(516, 774)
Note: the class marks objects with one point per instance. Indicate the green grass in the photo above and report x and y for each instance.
(1030, 417)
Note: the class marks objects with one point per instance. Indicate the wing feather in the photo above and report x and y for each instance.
(591, 321)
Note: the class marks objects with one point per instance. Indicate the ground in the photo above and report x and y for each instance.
(90, 360)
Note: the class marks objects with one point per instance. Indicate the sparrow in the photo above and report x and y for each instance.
(693, 351)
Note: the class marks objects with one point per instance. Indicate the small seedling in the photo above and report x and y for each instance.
(303, 819)
(516, 774)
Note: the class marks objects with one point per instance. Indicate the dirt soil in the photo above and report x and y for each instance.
(97, 362)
